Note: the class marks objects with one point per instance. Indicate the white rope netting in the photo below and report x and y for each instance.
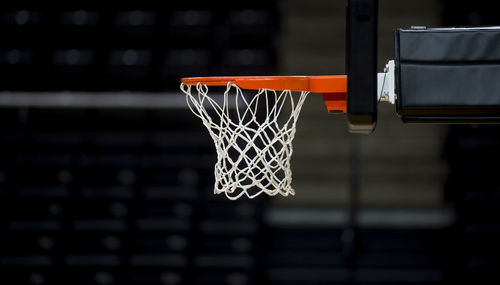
(254, 147)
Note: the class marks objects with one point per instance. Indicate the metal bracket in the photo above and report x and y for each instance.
(385, 84)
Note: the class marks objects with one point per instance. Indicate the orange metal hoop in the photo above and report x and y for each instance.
(333, 87)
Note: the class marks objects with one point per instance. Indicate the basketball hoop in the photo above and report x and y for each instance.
(254, 140)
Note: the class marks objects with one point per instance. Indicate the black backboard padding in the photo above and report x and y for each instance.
(448, 75)
(449, 45)
(361, 65)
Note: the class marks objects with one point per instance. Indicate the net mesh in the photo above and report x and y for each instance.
(253, 138)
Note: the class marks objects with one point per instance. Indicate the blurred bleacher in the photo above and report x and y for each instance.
(106, 177)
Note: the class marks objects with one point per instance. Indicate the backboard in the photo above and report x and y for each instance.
(361, 65)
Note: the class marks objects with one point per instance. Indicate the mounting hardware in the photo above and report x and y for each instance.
(385, 84)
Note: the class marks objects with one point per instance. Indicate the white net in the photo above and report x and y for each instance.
(253, 138)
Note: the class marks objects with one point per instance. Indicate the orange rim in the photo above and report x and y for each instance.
(333, 87)
(316, 84)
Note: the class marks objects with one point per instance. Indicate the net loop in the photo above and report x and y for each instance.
(252, 135)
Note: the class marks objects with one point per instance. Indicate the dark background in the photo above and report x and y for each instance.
(106, 177)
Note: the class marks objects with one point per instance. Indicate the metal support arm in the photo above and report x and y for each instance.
(385, 84)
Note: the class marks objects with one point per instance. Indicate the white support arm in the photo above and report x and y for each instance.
(386, 87)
